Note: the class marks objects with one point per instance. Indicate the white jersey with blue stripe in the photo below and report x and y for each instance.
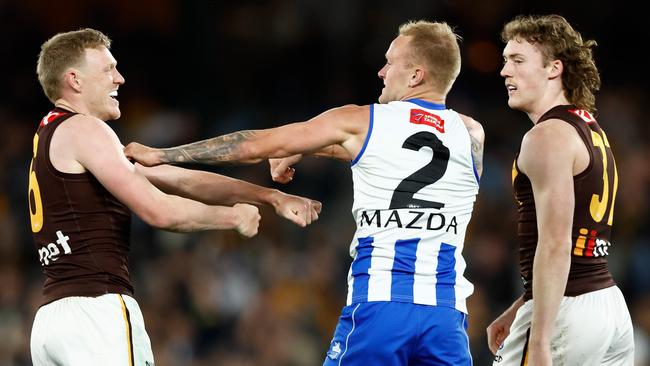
(415, 185)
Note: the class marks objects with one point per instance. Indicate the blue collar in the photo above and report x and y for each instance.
(425, 104)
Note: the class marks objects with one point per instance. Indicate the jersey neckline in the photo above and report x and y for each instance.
(425, 104)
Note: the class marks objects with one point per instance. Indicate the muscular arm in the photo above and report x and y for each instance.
(98, 150)
(547, 157)
(345, 126)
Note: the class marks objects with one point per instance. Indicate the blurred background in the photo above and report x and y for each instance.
(196, 69)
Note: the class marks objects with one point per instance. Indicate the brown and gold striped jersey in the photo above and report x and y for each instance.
(80, 230)
(595, 193)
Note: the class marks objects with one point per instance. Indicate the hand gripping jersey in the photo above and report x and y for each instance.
(414, 190)
(595, 192)
(80, 230)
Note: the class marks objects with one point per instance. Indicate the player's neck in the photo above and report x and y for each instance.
(427, 96)
(545, 105)
(70, 106)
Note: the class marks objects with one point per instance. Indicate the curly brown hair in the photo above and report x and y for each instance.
(559, 41)
(63, 51)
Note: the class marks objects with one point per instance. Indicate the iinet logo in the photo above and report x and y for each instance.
(50, 252)
(421, 117)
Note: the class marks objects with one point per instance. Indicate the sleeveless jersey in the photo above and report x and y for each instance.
(414, 190)
(595, 192)
(80, 230)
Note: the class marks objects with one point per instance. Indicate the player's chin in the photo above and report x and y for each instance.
(114, 114)
(514, 103)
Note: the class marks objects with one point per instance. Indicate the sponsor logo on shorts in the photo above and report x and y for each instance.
(335, 351)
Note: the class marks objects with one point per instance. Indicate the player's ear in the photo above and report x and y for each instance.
(417, 77)
(555, 69)
(72, 78)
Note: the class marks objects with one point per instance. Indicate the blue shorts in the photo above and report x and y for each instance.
(399, 334)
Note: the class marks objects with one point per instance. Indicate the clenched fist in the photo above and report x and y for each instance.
(248, 217)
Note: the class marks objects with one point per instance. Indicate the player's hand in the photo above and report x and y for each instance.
(499, 329)
(145, 155)
(299, 210)
(248, 218)
(281, 170)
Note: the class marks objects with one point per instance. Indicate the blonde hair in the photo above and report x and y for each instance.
(436, 45)
(62, 51)
(559, 41)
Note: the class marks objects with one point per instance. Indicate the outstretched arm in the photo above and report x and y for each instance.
(345, 126)
(215, 189)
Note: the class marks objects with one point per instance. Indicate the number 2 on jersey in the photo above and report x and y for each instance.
(428, 174)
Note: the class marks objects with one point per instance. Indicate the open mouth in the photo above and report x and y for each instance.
(113, 94)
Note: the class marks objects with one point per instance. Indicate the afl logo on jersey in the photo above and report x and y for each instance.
(420, 117)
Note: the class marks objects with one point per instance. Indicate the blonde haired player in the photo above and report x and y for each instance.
(82, 190)
(415, 166)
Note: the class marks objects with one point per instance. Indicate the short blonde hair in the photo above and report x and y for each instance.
(557, 40)
(62, 51)
(436, 45)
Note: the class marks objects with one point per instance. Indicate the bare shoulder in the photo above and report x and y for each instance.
(93, 132)
(82, 125)
(351, 118)
(78, 139)
(548, 145)
(90, 139)
(351, 111)
(553, 133)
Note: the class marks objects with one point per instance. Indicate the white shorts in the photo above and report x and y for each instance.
(103, 330)
(591, 329)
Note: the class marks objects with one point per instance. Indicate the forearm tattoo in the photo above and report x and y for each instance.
(217, 150)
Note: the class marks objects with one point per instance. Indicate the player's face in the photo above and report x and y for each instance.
(396, 73)
(100, 81)
(526, 76)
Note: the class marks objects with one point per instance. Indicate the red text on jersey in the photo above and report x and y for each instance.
(421, 117)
